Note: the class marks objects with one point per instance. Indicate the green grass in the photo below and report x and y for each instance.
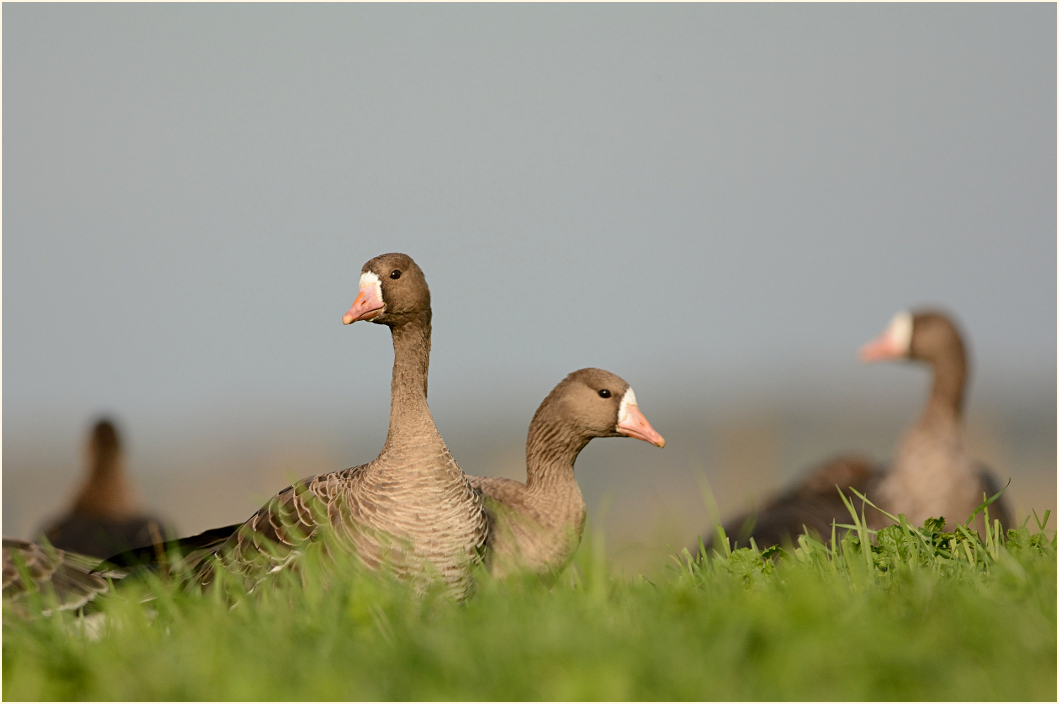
(919, 615)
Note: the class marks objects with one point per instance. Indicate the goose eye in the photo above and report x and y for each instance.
(604, 393)
(395, 274)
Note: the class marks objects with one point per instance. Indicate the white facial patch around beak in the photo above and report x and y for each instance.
(370, 278)
(629, 399)
(900, 332)
(632, 423)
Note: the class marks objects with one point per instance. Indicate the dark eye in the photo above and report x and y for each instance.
(604, 393)
(395, 274)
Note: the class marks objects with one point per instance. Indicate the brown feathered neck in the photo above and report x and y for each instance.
(106, 493)
(552, 447)
(409, 413)
(936, 341)
(566, 421)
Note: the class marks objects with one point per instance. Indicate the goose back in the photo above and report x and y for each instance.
(812, 506)
(67, 580)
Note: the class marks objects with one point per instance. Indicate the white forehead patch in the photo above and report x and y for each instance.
(629, 399)
(370, 278)
(900, 331)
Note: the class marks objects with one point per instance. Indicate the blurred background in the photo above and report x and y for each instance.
(719, 203)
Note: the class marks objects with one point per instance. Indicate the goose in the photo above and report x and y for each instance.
(104, 519)
(536, 527)
(931, 475)
(412, 508)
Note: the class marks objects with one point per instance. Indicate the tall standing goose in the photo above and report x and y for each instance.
(411, 508)
(931, 476)
(104, 519)
(536, 526)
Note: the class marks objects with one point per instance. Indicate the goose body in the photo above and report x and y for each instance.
(104, 518)
(536, 526)
(411, 508)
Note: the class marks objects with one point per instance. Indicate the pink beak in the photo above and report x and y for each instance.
(881, 348)
(366, 306)
(636, 426)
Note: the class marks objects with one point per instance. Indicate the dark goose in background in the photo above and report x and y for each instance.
(931, 475)
(537, 526)
(104, 518)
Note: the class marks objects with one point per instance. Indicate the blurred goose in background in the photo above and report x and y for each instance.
(411, 508)
(537, 526)
(104, 518)
(931, 476)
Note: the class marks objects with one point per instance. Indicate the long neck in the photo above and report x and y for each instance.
(551, 450)
(106, 494)
(409, 413)
(931, 461)
(950, 376)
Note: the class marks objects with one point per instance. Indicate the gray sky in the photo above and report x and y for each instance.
(708, 200)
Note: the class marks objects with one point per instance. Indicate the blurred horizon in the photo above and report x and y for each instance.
(649, 502)
(718, 203)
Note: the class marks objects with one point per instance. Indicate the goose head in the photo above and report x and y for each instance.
(596, 403)
(926, 336)
(104, 448)
(393, 291)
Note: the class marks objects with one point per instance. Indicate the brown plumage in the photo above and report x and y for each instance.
(411, 508)
(193, 551)
(104, 518)
(536, 527)
(66, 577)
(931, 475)
(809, 506)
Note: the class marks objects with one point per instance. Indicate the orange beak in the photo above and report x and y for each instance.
(636, 426)
(366, 306)
(881, 348)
